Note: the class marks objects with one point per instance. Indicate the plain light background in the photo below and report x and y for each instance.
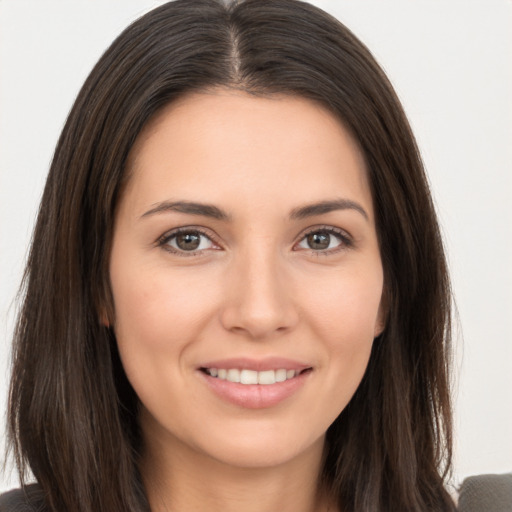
(451, 64)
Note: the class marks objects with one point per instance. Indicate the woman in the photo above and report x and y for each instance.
(236, 294)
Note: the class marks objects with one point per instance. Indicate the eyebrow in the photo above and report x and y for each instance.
(214, 212)
(192, 208)
(310, 210)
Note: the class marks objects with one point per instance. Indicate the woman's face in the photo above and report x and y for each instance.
(245, 249)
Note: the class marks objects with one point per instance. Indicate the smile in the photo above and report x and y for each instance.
(255, 384)
(244, 376)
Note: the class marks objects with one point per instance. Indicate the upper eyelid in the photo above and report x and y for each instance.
(215, 239)
(185, 229)
(162, 242)
(328, 228)
(324, 227)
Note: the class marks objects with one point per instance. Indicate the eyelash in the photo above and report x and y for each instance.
(345, 239)
(167, 237)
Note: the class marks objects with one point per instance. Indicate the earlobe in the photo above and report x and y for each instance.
(104, 321)
(103, 317)
(379, 326)
(105, 310)
(382, 316)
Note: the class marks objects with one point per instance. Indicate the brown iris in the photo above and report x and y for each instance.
(318, 240)
(188, 241)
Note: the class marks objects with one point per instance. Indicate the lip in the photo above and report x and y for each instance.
(259, 365)
(255, 396)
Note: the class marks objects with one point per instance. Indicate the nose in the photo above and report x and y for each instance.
(258, 300)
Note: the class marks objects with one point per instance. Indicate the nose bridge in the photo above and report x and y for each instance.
(259, 301)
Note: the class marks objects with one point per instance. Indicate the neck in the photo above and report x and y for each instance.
(179, 478)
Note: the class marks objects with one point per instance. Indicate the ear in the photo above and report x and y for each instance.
(382, 315)
(380, 325)
(105, 310)
(104, 318)
(104, 315)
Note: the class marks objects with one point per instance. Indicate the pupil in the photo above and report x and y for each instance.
(188, 241)
(318, 240)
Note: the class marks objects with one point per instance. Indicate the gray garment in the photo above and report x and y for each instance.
(486, 493)
(17, 500)
(482, 493)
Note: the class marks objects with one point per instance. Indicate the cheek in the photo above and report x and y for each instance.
(158, 317)
(345, 314)
(345, 307)
(155, 307)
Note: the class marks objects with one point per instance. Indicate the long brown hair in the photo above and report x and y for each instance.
(72, 412)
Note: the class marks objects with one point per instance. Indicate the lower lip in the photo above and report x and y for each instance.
(255, 396)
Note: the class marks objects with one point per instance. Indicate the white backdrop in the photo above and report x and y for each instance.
(451, 63)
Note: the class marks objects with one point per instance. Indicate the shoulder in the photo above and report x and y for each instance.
(29, 499)
(485, 493)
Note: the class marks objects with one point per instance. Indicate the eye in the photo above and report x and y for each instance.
(183, 241)
(325, 240)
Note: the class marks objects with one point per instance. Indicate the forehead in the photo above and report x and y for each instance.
(224, 144)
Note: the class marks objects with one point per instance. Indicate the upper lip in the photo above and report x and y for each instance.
(268, 363)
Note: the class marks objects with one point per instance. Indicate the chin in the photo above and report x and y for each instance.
(264, 448)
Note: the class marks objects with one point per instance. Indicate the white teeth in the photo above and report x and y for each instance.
(267, 377)
(233, 375)
(251, 376)
(248, 377)
(281, 375)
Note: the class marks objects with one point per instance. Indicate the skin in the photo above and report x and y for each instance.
(254, 288)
